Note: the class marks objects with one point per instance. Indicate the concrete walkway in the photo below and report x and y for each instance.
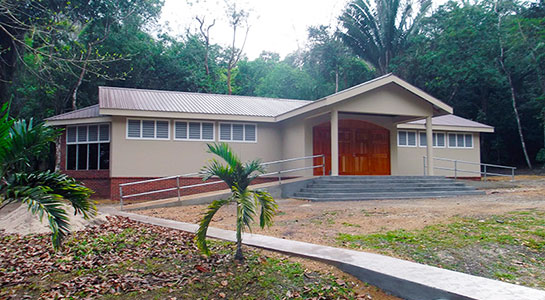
(399, 277)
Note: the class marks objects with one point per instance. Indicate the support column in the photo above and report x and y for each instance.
(429, 147)
(334, 142)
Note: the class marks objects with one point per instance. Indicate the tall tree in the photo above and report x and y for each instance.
(238, 19)
(379, 31)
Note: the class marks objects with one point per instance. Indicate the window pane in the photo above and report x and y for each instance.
(105, 132)
(460, 140)
(93, 133)
(71, 134)
(440, 140)
(225, 132)
(402, 138)
(451, 140)
(238, 132)
(162, 129)
(469, 140)
(82, 133)
(411, 138)
(93, 156)
(181, 130)
(104, 156)
(207, 131)
(148, 129)
(134, 128)
(423, 140)
(82, 157)
(71, 157)
(249, 131)
(194, 131)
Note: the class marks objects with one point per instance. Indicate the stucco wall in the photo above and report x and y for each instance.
(156, 158)
(410, 159)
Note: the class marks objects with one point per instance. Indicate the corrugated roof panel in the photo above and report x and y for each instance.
(87, 112)
(167, 101)
(451, 120)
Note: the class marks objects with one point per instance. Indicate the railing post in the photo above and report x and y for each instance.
(178, 186)
(484, 172)
(455, 169)
(279, 177)
(120, 197)
(323, 165)
(512, 174)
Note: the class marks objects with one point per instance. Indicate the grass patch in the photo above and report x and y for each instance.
(508, 247)
(124, 259)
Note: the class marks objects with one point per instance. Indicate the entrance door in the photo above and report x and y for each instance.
(364, 148)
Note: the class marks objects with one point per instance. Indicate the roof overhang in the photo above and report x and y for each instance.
(439, 107)
(180, 115)
(447, 128)
(103, 119)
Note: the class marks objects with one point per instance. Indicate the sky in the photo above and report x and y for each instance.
(279, 26)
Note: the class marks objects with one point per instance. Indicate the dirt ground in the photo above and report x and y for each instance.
(320, 222)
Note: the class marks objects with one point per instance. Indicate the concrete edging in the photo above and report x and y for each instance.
(402, 278)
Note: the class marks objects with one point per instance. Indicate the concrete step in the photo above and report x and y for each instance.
(319, 185)
(385, 195)
(385, 188)
(370, 181)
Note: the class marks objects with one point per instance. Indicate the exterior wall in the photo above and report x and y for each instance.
(96, 180)
(410, 161)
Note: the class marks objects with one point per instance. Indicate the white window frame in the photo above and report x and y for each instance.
(415, 139)
(142, 128)
(436, 135)
(464, 134)
(243, 134)
(187, 131)
(87, 142)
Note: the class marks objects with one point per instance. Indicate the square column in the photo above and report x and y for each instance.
(334, 142)
(429, 146)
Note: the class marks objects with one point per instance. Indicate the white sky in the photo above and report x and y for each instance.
(278, 26)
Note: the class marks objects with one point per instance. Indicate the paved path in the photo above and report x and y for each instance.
(399, 277)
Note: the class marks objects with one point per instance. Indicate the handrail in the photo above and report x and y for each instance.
(482, 171)
(179, 188)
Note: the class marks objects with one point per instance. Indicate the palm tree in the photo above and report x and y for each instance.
(237, 176)
(22, 145)
(378, 33)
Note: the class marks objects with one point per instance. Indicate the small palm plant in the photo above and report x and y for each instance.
(237, 176)
(22, 145)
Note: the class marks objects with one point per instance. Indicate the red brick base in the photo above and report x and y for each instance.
(97, 180)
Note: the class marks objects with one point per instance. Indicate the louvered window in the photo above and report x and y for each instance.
(88, 147)
(181, 130)
(438, 139)
(194, 131)
(238, 132)
(208, 131)
(460, 140)
(148, 129)
(406, 138)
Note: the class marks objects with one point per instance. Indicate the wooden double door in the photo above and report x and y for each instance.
(364, 148)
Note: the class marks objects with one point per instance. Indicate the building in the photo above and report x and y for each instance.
(376, 128)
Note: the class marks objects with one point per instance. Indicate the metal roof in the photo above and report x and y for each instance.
(451, 120)
(184, 102)
(82, 113)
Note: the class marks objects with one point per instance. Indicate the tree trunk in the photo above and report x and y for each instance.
(238, 254)
(336, 81)
(229, 88)
(80, 79)
(58, 154)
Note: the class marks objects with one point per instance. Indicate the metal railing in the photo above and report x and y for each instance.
(179, 188)
(483, 168)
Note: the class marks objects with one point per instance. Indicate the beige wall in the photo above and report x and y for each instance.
(156, 158)
(410, 159)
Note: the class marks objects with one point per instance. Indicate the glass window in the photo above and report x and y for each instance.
(440, 139)
(452, 140)
(82, 133)
(402, 138)
(148, 129)
(225, 132)
(104, 156)
(134, 128)
(93, 157)
(459, 140)
(93, 133)
(162, 129)
(104, 133)
(82, 156)
(411, 138)
(238, 132)
(423, 140)
(180, 130)
(85, 146)
(208, 131)
(71, 133)
(194, 131)
(71, 157)
(469, 140)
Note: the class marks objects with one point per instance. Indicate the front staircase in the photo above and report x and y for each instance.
(353, 188)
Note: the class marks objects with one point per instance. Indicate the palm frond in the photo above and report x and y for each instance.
(224, 151)
(246, 207)
(268, 207)
(214, 168)
(200, 237)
